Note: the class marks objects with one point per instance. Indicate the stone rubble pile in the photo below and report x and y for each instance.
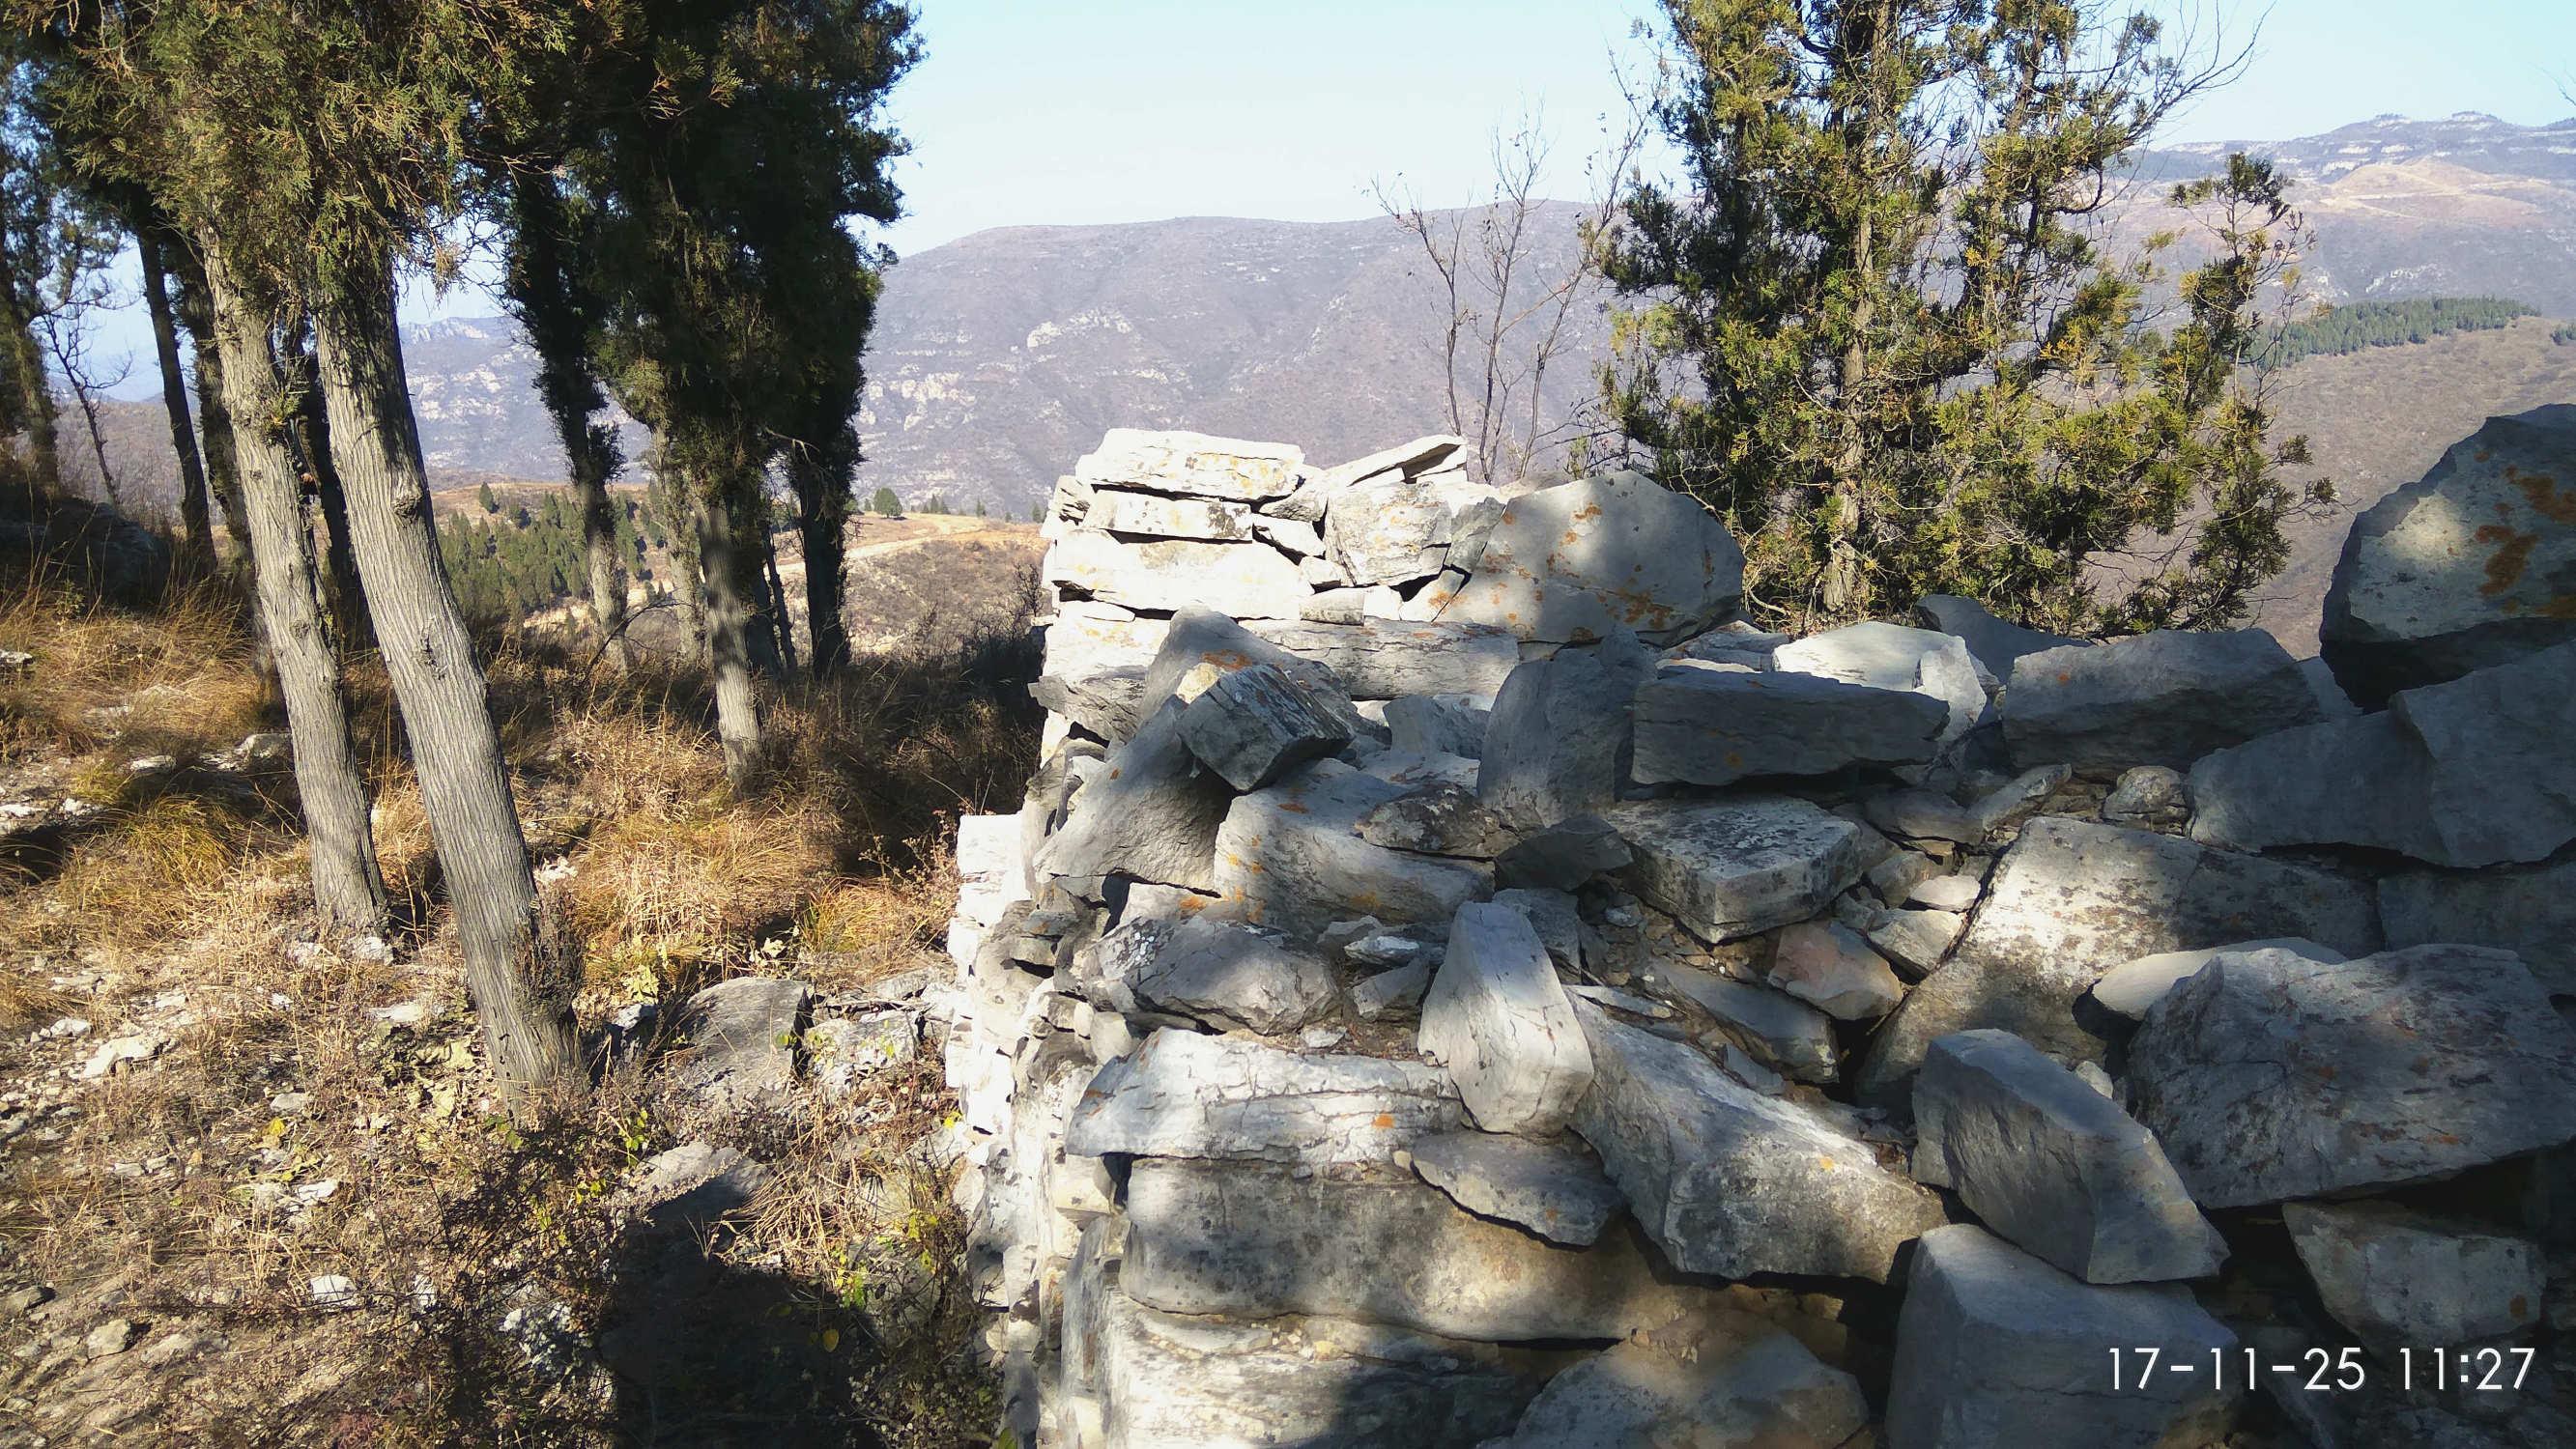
(1453, 983)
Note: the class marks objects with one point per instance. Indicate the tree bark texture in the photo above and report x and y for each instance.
(214, 416)
(731, 583)
(196, 523)
(822, 481)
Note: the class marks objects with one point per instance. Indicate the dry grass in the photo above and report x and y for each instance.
(156, 1199)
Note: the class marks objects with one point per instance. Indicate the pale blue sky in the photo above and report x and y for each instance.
(1029, 112)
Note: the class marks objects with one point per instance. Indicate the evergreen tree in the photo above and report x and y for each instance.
(483, 497)
(1873, 329)
(883, 503)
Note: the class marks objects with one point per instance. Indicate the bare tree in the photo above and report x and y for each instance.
(1510, 308)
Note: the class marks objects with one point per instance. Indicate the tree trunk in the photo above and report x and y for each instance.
(724, 575)
(586, 448)
(781, 620)
(214, 416)
(822, 516)
(463, 782)
(347, 888)
(313, 438)
(196, 525)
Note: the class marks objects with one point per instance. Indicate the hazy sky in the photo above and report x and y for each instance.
(1042, 111)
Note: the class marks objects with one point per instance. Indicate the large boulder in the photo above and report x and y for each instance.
(1569, 564)
(2165, 698)
(1192, 464)
(1730, 1182)
(1257, 1241)
(2470, 566)
(2071, 900)
(2053, 1166)
(1391, 658)
(2474, 772)
(1153, 814)
(1186, 1095)
(1723, 1378)
(1556, 742)
(1737, 866)
(1995, 1347)
(2402, 1279)
(1221, 972)
(2528, 910)
(1497, 1016)
(2269, 1076)
(1247, 580)
(1706, 724)
(1292, 857)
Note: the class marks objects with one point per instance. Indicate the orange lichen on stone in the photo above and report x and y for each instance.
(2512, 555)
(2547, 499)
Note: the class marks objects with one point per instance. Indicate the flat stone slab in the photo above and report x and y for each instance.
(2165, 698)
(1085, 639)
(2132, 987)
(1246, 580)
(1718, 1379)
(741, 1042)
(2530, 911)
(1192, 463)
(1291, 858)
(2069, 901)
(1497, 1016)
(1995, 1347)
(2470, 566)
(1788, 1033)
(1152, 515)
(1152, 814)
(1106, 703)
(1220, 972)
(1393, 530)
(1391, 658)
(1730, 1182)
(1891, 656)
(2053, 1166)
(2473, 772)
(1440, 818)
(1556, 742)
(2269, 1076)
(1716, 724)
(2405, 1279)
(1254, 1242)
(1556, 1190)
(1253, 725)
(1186, 1095)
(1573, 563)
(1734, 867)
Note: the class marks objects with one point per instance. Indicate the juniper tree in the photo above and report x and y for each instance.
(1874, 326)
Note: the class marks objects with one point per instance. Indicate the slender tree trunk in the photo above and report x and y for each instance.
(347, 888)
(780, 619)
(589, 455)
(196, 525)
(313, 435)
(463, 781)
(721, 568)
(822, 517)
(214, 417)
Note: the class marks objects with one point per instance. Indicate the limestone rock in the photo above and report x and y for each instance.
(1556, 1191)
(1436, 819)
(1995, 643)
(1945, 892)
(1788, 1033)
(2269, 1076)
(1733, 867)
(990, 867)
(1220, 972)
(1917, 940)
(1391, 994)
(2529, 910)
(1149, 515)
(691, 1187)
(741, 1042)
(1346, 605)
(1390, 658)
(1714, 1379)
(1922, 815)
(2165, 698)
(1085, 639)
(1564, 855)
(1995, 1347)
(2474, 772)
(1890, 656)
(1438, 452)
(1730, 1182)
(2404, 1279)
(2148, 795)
(1193, 464)
(2470, 566)
(1555, 915)
(1448, 724)
(1291, 858)
(1152, 815)
(1201, 646)
(1258, 1241)
(1569, 564)
(1499, 1019)
(1394, 530)
(1556, 744)
(1186, 1095)
(1107, 702)
(1253, 725)
(1830, 966)
(2132, 986)
(2071, 900)
(1715, 725)
(2052, 1166)
(1246, 580)
(2018, 799)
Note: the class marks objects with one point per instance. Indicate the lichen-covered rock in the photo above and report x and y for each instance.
(2470, 566)
(1995, 1347)
(1106, 702)
(1187, 1095)
(2053, 1166)
(1740, 865)
(1440, 818)
(1151, 515)
(1396, 530)
(2528, 910)
(2402, 1279)
(1085, 639)
(1717, 724)
(1193, 464)
(2269, 1076)
(1572, 563)
(1499, 1019)
(2165, 698)
(2069, 901)
(1730, 1182)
